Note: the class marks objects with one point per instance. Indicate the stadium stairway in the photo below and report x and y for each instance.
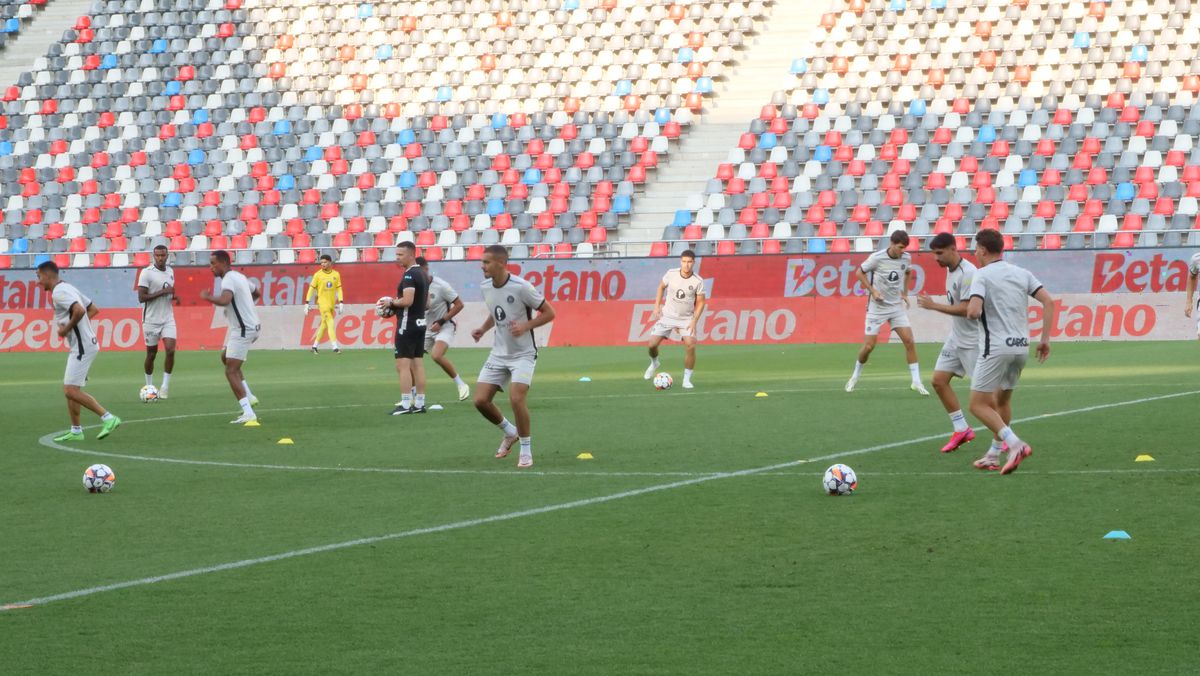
(44, 29)
(762, 70)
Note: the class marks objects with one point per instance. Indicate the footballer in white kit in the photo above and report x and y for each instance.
(1193, 274)
(678, 306)
(511, 302)
(73, 313)
(886, 274)
(236, 295)
(961, 348)
(440, 327)
(999, 299)
(156, 293)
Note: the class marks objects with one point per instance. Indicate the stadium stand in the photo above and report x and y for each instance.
(16, 14)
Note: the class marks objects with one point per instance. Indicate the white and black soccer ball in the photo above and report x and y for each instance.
(383, 307)
(148, 394)
(663, 381)
(839, 479)
(99, 479)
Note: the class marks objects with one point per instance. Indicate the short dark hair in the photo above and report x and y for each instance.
(688, 253)
(943, 240)
(422, 262)
(991, 240)
(161, 246)
(497, 250)
(222, 256)
(407, 245)
(899, 237)
(48, 266)
(327, 257)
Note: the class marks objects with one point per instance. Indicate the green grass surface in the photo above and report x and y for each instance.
(931, 567)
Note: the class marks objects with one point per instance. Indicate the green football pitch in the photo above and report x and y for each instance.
(695, 540)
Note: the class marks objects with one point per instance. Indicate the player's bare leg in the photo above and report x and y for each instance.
(418, 389)
(77, 400)
(439, 357)
(991, 409)
(484, 394)
(689, 360)
(655, 341)
(406, 369)
(237, 383)
(963, 433)
(151, 355)
(910, 354)
(517, 397)
(864, 353)
(168, 366)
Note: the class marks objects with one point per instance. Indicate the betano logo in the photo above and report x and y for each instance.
(724, 325)
(832, 277)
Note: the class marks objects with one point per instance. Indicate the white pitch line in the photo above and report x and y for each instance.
(457, 525)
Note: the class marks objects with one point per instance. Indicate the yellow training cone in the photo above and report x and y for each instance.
(286, 441)
(760, 394)
(584, 456)
(1143, 458)
(252, 423)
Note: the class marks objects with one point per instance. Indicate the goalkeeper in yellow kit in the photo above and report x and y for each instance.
(327, 283)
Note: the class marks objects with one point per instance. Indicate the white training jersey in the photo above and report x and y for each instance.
(240, 313)
(887, 275)
(964, 332)
(441, 297)
(81, 339)
(1194, 267)
(679, 296)
(516, 300)
(1005, 290)
(157, 310)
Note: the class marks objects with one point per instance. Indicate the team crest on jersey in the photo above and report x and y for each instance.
(511, 299)
(328, 285)
(680, 294)
(499, 314)
(893, 276)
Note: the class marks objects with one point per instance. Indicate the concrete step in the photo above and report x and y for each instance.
(35, 38)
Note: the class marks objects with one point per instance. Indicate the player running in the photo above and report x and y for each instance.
(511, 302)
(890, 272)
(678, 305)
(444, 306)
(1193, 274)
(1000, 296)
(73, 313)
(961, 349)
(412, 295)
(156, 293)
(327, 283)
(237, 296)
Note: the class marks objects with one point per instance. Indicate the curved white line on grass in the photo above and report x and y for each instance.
(457, 525)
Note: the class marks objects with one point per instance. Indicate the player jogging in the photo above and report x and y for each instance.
(412, 294)
(678, 305)
(73, 313)
(1193, 274)
(237, 296)
(1000, 296)
(156, 292)
(886, 274)
(327, 283)
(961, 349)
(444, 306)
(511, 302)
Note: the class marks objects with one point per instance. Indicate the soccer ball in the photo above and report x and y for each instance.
(383, 307)
(839, 480)
(148, 394)
(99, 479)
(663, 381)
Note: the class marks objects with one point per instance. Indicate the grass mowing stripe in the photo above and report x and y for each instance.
(457, 525)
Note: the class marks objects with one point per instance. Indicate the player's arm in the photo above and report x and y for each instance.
(701, 301)
(77, 313)
(225, 298)
(658, 300)
(483, 328)
(545, 315)
(1049, 321)
(337, 285)
(925, 301)
(1191, 292)
(455, 308)
(975, 307)
(904, 289)
(92, 310)
(406, 299)
(308, 294)
(861, 275)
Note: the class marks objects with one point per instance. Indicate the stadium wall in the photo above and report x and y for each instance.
(1104, 295)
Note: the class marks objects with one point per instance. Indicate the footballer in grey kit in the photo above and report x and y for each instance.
(236, 296)
(1193, 275)
(511, 303)
(440, 327)
(73, 313)
(1000, 296)
(156, 293)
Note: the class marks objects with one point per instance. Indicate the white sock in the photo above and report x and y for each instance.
(107, 416)
(915, 369)
(654, 362)
(997, 447)
(959, 420)
(166, 380)
(76, 429)
(244, 402)
(526, 447)
(458, 380)
(858, 366)
(509, 429)
(316, 344)
(334, 344)
(149, 379)
(420, 400)
(1014, 442)
(246, 387)
(687, 375)
(406, 400)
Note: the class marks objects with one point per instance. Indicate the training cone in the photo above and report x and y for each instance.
(760, 394)
(286, 441)
(252, 423)
(584, 456)
(1144, 458)
(585, 379)
(1117, 535)
(435, 407)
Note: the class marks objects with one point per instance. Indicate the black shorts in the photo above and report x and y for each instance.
(410, 344)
